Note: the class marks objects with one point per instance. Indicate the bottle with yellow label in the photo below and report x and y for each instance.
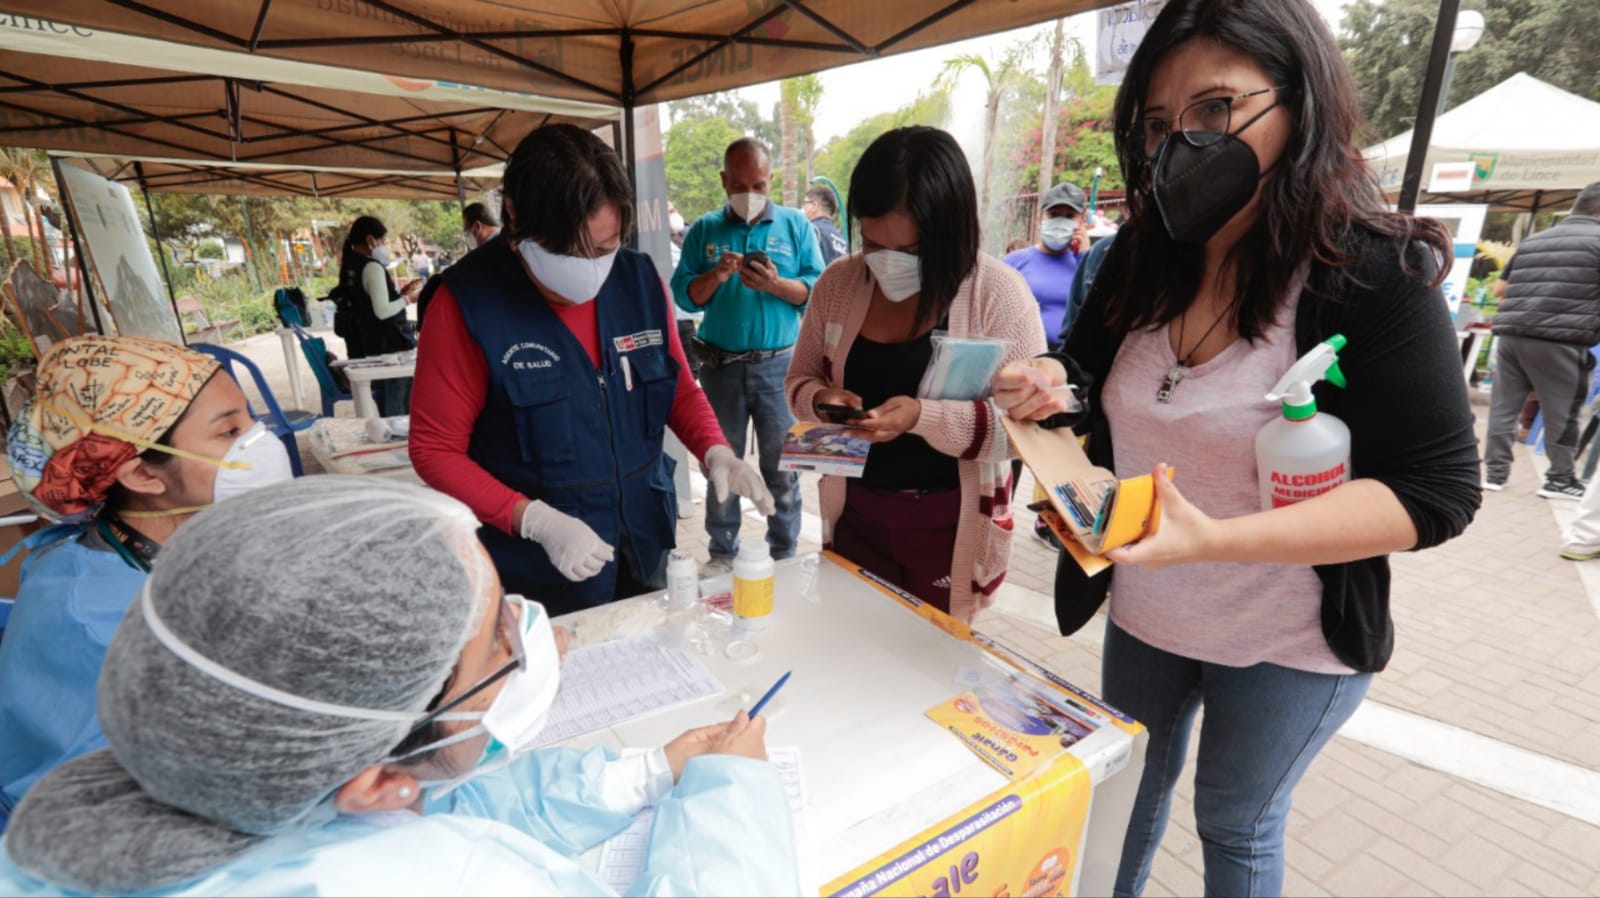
(753, 580)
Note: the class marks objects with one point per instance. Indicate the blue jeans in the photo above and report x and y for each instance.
(738, 393)
(1263, 726)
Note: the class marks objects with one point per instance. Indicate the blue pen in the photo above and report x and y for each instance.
(770, 693)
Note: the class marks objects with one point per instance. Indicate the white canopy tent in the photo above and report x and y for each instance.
(1532, 145)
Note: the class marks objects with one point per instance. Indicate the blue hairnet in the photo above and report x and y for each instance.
(354, 591)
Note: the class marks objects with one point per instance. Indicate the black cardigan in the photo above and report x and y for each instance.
(1411, 427)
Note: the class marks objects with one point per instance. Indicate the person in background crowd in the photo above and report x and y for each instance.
(1549, 316)
(1255, 232)
(266, 740)
(550, 373)
(820, 207)
(749, 267)
(1050, 265)
(479, 227)
(377, 308)
(125, 439)
(931, 512)
(421, 265)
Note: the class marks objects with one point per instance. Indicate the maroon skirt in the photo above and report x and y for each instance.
(908, 539)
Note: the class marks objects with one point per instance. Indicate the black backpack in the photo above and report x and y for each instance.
(345, 322)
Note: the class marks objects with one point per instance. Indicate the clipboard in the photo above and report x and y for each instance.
(1127, 510)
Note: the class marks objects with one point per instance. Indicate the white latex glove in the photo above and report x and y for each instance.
(726, 472)
(576, 550)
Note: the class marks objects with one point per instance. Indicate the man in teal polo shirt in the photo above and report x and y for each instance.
(749, 267)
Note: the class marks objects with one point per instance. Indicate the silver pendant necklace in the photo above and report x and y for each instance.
(1180, 368)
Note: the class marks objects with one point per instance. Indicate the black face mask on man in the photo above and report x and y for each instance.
(1200, 189)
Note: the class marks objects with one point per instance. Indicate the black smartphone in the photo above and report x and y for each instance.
(840, 414)
(757, 256)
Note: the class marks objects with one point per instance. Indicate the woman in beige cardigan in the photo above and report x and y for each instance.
(931, 512)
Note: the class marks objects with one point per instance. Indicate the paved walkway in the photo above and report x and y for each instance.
(1471, 768)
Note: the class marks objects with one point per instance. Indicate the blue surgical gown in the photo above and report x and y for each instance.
(73, 595)
(724, 829)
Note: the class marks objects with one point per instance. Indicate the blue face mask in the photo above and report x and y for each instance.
(518, 714)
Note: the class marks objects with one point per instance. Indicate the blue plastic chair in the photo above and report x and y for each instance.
(316, 352)
(285, 424)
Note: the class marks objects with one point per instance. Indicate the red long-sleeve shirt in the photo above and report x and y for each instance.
(452, 386)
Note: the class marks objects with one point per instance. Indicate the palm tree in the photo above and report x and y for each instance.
(25, 168)
(999, 77)
(797, 109)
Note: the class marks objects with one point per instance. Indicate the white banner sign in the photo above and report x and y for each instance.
(1121, 28)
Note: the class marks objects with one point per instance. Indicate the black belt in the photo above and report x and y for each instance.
(715, 357)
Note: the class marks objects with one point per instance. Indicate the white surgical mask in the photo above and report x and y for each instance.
(256, 459)
(748, 206)
(380, 254)
(675, 221)
(899, 275)
(572, 278)
(472, 242)
(1056, 233)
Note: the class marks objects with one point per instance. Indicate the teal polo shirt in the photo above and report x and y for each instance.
(738, 319)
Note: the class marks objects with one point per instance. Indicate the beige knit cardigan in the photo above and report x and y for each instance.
(994, 301)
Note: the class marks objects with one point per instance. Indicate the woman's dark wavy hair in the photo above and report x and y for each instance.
(922, 171)
(556, 178)
(1312, 206)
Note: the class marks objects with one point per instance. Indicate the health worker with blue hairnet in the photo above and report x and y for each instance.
(124, 440)
(359, 722)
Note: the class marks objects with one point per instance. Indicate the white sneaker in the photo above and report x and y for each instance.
(1493, 486)
(716, 567)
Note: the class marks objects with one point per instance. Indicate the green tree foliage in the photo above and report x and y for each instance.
(838, 158)
(693, 151)
(701, 129)
(1386, 43)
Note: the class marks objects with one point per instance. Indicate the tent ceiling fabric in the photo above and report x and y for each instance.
(75, 106)
(627, 52)
(175, 176)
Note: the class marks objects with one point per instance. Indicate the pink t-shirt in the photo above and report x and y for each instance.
(1232, 614)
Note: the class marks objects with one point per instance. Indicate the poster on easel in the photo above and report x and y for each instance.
(45, 312)
(118, 255)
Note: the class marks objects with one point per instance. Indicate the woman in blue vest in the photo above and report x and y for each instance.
(551, 370)
(124, 441)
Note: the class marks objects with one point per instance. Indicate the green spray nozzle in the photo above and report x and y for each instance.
(1294, 388)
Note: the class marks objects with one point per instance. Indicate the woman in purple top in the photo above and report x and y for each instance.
(1049, 265)
(1255, 231)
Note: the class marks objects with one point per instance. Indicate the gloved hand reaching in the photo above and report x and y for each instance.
(726, 472)
(574, 548)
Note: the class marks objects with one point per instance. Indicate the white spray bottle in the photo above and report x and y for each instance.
(1303, 454)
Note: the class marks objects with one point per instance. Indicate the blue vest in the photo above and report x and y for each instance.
(585, 441)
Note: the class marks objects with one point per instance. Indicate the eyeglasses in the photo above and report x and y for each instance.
(509, 625)
(1202, 123)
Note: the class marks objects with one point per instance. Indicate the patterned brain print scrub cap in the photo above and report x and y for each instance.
(101, 401)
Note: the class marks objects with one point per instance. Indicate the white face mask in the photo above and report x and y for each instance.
(1056, 233)
(675, 221)
(748, 206)
(266, 461)
(380, 254)
(899, 275)
(472, 242)
(572, 278)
